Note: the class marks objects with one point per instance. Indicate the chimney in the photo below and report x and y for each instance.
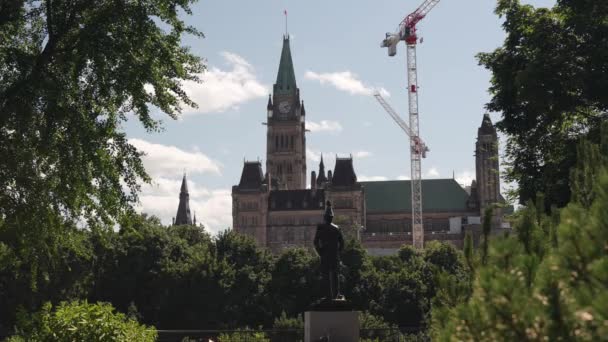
(313, 180)
(329, 176)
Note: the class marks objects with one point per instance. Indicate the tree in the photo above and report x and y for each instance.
(81, 321)
(547, 82)
(444, 256)
(71, 74)
(247, 302)
(544, 283)
(295, 283)
(64, 273)
(360, 283)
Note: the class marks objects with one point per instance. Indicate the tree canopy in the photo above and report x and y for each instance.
(549, 82)
(549, 281)
(70, 74)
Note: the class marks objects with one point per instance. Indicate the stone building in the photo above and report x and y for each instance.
(279, 210)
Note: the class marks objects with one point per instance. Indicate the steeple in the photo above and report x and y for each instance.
(286, 77)
(487, 173)
(321, 179)
(486, 128)
(183, 209)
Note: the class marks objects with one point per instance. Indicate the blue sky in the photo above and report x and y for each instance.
(338, 60)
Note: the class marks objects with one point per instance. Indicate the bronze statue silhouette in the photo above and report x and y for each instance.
(328, 244)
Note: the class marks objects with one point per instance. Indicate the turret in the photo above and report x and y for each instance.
(269, 106)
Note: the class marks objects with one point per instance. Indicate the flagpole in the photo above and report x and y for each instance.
(286, 30)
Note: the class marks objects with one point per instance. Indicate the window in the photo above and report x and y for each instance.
(276, 142)
(291, 142)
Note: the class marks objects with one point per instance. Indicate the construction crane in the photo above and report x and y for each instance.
(419, 145)
(407, 32)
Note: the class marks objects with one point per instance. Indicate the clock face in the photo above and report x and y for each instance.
(284, 107)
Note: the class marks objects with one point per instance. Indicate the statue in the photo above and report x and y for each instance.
(328, 244)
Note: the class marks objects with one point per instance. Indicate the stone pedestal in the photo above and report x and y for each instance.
(340, 326)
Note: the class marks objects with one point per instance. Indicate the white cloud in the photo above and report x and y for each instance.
(403, 177)
(465, 178)
(221, 90)
(432, 173)
(166, 164)
(169, 161)
(364, 178)
(324, 126)
(362, 154)
(216, 210)
(329, 157)
(345, 81)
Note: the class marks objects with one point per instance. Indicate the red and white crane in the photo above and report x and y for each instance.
(407, 32)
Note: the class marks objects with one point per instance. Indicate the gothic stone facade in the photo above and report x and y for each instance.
(277, 209)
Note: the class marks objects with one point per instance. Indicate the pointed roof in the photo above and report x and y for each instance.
(486, 128)
(269, 106)
(252, 176)
(321, 177)
(344, 173)
(286, 77)
(183, 209)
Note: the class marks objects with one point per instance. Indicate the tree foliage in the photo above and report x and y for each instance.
(81, 321)
(71, 74)
(548, 82)
(549, 281)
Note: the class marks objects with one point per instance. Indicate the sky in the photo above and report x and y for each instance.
(338, 62)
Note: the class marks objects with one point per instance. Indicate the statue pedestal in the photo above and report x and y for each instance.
(336, 325)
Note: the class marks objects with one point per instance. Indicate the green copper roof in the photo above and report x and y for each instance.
(286, 77)
(438, 195)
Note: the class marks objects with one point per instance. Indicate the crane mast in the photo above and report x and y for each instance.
(407, 32)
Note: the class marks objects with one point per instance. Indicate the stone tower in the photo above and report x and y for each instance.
(183, 209)
(285, 137)
(486, 167)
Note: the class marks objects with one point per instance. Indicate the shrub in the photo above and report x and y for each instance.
(81, 321)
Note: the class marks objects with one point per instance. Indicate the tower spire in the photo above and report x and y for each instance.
(183, 209)
(321, 179)
(286, 77)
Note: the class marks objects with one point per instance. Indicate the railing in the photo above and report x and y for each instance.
(294, 335)
(233, 335)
